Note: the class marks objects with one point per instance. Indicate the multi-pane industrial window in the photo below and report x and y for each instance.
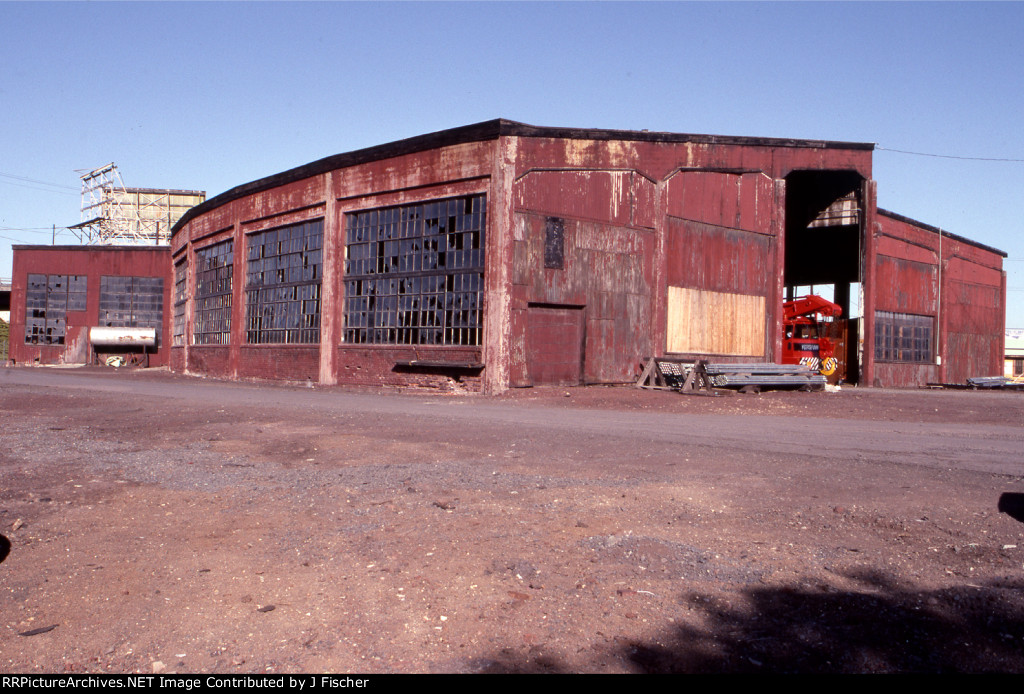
(132, 302)
(212, 310)
(180, 301)
(903, 337)
(47, 300)
(414, 273)
(282, 284)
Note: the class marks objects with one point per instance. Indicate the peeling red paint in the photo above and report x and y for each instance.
(638, 213)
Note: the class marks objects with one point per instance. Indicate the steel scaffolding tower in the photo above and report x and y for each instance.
(113, 214)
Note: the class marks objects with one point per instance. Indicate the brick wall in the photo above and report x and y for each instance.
(285, 362)
(379, 366)
(211, 361)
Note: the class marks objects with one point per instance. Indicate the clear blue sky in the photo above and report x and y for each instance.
(209, 96)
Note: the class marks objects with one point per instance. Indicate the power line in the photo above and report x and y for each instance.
(33, 229)
(945, 156)
(32, 180)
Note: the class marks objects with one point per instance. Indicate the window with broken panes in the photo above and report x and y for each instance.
(132, 302)
(48, 298)
(282, 284)
(211, 323)
(903, 337)
(414, 273)
(180, 301)
(554, 243)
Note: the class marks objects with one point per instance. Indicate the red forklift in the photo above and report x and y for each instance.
(804, 326)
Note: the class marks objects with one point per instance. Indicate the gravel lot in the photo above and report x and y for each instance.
(162, 523)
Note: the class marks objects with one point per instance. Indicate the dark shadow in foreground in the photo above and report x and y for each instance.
(1012, 504)
(884, 627)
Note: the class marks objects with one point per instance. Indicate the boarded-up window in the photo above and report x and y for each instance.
(703, 322)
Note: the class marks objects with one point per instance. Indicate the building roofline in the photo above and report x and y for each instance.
(163, 191)
(937, 230)
(91, 247)
(481, 132)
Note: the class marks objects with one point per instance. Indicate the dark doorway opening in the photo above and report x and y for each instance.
(824, 252)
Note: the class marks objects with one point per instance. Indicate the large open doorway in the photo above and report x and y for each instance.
(824, 251)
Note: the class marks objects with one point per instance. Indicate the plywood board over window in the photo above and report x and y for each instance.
(704, 322)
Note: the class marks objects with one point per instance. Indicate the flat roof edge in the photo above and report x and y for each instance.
(937, 230)
(91, 247)
(162, 191)
(479, 132)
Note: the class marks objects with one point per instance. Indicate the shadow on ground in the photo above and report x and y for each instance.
(884, 627)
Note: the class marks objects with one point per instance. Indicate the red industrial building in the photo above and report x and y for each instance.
(75, 304)
(503, 255)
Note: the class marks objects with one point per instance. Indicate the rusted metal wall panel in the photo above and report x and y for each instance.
(282, 201)
(890, 375)
(657, 160)
(973, 315)
(555, 345)
(737, 201)
(606, 274)
(704, 256)
(907, 286)
(720, 243)
(620, 198)
(969, 308)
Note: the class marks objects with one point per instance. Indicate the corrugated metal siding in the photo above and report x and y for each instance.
(736, 201)
(725, 260)
(721, 263)
(968, 308)
(907, 286)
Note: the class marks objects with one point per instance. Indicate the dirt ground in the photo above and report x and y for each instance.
(161, 523)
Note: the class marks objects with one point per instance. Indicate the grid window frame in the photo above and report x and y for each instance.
(284, 271)
(129, 301)
(48, 298)
(414, 273)
(180, 302)
(904, 338)
(214, 270)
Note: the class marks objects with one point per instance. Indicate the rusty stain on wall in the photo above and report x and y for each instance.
(638, 213)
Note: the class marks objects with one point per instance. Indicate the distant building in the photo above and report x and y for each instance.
(61, 293)
(1014, 365)
(114, 215)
